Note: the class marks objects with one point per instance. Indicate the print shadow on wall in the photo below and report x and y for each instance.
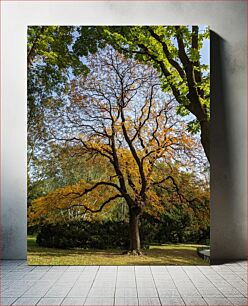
(118, 144)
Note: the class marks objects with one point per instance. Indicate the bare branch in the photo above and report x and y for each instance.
(142, 112)
(180, 195)
(100, 208)
(87, 190)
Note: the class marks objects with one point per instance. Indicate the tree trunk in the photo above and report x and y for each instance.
(134, 215)
(205, 138)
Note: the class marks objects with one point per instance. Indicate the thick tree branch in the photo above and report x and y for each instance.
(100, 208)
(87, 190)
(195, 105)
(174, 63)
(116, 163)
(165, 71)
(135, 155)
(196, 64)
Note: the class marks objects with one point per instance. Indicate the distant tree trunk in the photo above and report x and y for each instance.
(135, 247)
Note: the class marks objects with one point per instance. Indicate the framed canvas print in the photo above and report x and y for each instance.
(118, 145)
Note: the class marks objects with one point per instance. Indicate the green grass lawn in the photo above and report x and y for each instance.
(166, 254)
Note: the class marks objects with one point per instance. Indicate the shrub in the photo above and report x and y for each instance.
(85, 235)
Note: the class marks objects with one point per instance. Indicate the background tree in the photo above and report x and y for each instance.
(117, 113)
(50, 63)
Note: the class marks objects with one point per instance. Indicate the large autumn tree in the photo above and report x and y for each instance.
(118, 115)
(55, 52)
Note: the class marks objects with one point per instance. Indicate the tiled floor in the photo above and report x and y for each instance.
(124, 285)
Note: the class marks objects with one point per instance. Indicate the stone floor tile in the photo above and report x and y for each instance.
(125, 283)
(174, 268)
(189, 293)
(121, 301)
(16, 275)
(71, 274)
(91, 268)
(190, 268)
(33, 275)
(162, 276)
(108, 269)
(125, 275)
(147, 292)
(169, 301)
(194, 301)
(51, 276)
(99, 301)
(102, 292)
(36, 291)
(106, 275)
(145, 283)
(143, 269)
(126, 292)
(217, 301)
(238, 284)
(58, 291)
(242, 290)
(85, 279)
(42, 268)
(83, 283)
(78, 291)
(12, 293)
(158, 269)
(164, 282)
(210, 292)
(50, 301)
(75, 269)
(181, 282)
(105, 284)
(230, 292)
(6, 301)
(165, 292)
(63, 283)
(73, 301)
(24, 268)
(149, 301)
(19, 287)
(106, 281)
(129, 269)
(26, 301)
(239, 301)
(141, 275)
(58, 268)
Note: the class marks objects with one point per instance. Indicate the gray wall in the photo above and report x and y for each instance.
(229, 96)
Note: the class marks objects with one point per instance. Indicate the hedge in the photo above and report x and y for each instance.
(112, 235)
